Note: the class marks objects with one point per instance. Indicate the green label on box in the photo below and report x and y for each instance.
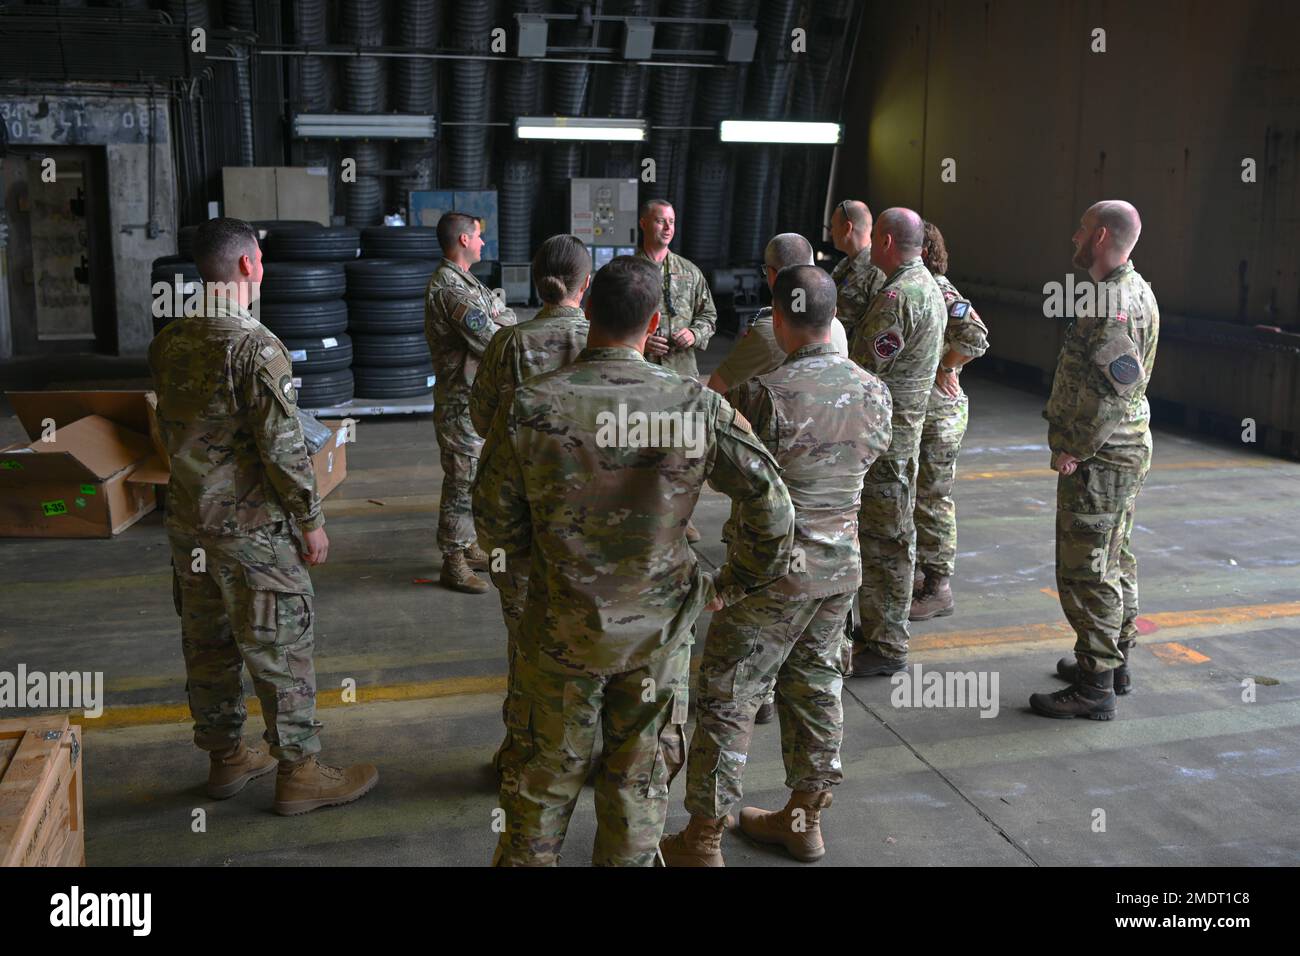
(11, 465)
(87, 489)
(51, 508)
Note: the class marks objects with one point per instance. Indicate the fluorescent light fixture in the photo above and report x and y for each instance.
(592, 129)
(364, 126)
(780, 131)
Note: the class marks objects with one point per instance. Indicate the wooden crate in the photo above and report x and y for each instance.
(41, 821)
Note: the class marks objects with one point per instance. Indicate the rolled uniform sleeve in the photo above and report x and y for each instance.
(704, 315)
(1112, 373)
(502, 516)
(762, 515)
(272, 417)
(485, 393)
(755, 353)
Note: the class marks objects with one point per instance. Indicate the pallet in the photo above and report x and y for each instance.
(41, 815)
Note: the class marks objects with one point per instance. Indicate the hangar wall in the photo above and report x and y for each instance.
(1040, 126)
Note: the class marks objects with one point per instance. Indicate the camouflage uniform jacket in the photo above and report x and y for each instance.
(228, 416)
(965, 334)
(858, 281)
(685, 302)
(825, 420)
(1098, 407)
(576, 486)
(460, 317)
(757, 351)
(901, 340)
(550, 340)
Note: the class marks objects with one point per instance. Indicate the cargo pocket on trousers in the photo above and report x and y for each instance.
(670, 753)
(280, 609)
(1085, 545)
(520, 744)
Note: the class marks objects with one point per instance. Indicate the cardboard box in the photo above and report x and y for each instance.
(75, 486)
(100, 474)
(41, 811)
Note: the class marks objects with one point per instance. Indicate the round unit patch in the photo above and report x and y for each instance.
(1125, 370)
(475, 320)
(888, 344)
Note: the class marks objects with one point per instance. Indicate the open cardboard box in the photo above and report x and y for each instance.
(99, 474)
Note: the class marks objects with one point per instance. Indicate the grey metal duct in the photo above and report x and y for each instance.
(670, 105)
(628, 87)
(364, 199)
(569, 90)
(193, 13)
(757, 167)
(521, 95)
(364, 77)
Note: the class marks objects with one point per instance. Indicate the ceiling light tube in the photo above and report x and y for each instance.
(580, 128)
(779, 131)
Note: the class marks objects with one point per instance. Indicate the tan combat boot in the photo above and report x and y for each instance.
(477, 558)
(797, 827)
(700, 844)
(918, 582)
(229, 770)
(692, 532)
(935, 600)
(309, 785)
(457, 575)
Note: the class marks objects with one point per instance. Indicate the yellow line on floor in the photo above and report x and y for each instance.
(1176, 653)
(136, 715)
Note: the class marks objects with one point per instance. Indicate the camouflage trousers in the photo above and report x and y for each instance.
(1096, 572)
(458, 451)
(513, 591)
(247, 601)
(936, 514)
(887, 536)
(553, 723)
(754, 646)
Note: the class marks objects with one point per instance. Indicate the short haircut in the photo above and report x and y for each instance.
(560, 265)
(934, 251)
(1121, 219)
(648, 207)
(788, 249)
(218, 245)
(856, 212)
(624, 294)
(453, 225)
(905, 227)
(815, 307)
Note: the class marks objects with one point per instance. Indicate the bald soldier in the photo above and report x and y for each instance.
(900, 339)
(825, 420)
(244, 521)
(589, 476)
(857, 277)
(757, 351)
(1100, 436)
(460, 317)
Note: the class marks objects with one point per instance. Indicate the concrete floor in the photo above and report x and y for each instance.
(1189, 774)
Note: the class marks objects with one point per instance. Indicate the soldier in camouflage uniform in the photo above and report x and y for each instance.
(581, 487)
(900, 339)
(1100, 436)
(856, 276)
(460, 317)
(757, 352)
(240, 481)
(687, 316)
(825, 420)
(550, 340)
(965, 338)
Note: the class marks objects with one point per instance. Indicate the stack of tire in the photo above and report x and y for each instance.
(181, 276)
(303, 284)
(386, 289)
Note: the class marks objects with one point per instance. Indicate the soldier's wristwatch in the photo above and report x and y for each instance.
(945, 368)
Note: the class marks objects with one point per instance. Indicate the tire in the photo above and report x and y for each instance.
(389, 278)
(406, 350)
(325, 389)
(400, 242)
(303, 281)
(407, 382)
(327, 353)
(265, 227)
(312, 244)
(166, 268)
(385, 316)
(304, 320)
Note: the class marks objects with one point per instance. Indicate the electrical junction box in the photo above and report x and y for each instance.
(602, 213)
